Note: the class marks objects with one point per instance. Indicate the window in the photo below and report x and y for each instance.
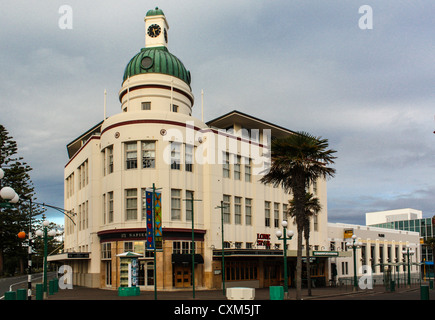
(128, 246)
(104, 209)
(315, 223)
(182, 247)
(109, 159)
(148, 154)
(237, 168)
(70, 185)
(227, 208)
(237, 210)
(146, 105)
(175, 155)
(189, 204)
(175, 204)
(248, 212)
(240, 270)
(110, 207)
(174, 108)
(131, 204)
(267, 213)
(284, 211)
(248, 166)
(106, 250)
(83, 174)
(189, 158)
(226, 165)
(131, 155)
(276, 214)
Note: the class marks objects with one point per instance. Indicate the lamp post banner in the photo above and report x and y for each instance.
(150, 222)
(158, 237)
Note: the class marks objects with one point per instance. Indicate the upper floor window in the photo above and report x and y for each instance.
(148, 154)
(237, 168)
(175, 155)
(188, 158)
(248, 166)
(131, 204)
(227, 208)
(146, 105)
(267, 213)
(131, 155)
(226, 165)
(174, 108)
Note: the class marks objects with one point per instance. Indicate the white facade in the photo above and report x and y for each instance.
(379, 217)
(152, 143)
(382, 251)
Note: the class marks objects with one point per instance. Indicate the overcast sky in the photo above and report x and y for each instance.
(304, 65)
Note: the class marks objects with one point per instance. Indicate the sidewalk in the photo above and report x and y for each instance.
(84, 293)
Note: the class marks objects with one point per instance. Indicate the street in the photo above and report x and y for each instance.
(20, 282)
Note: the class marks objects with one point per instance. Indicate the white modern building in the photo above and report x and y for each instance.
(381, 252)
(379, 217)
(195, 168)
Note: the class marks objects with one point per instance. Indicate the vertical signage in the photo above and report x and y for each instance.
(158, 237)
(150, 222)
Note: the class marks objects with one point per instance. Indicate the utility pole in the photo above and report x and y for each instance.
(222, 206)
(193, 244)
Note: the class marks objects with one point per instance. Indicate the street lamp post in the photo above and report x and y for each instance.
(193, 243)
(45, 235)
(408, 253)
(222, 206)
(354, 245)
(284, 237)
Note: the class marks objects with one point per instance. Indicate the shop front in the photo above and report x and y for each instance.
(173, 261)
(265, 268)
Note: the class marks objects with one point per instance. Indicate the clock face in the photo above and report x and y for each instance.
(154, 30)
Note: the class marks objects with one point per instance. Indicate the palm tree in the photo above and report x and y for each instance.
(312, 208)
(296, 161)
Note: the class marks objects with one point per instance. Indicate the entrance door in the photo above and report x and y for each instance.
(146, 273)
(182, 276)
(272, 272)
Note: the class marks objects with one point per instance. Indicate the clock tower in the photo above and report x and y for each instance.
(156, 29)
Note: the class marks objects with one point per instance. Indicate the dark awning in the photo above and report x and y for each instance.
(186, 258)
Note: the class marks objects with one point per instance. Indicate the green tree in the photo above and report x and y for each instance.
(18, 216)
(296, 161)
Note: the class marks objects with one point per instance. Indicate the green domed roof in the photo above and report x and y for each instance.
(156, 60)
(155, 12)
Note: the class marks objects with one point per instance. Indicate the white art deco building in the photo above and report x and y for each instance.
(155, 141)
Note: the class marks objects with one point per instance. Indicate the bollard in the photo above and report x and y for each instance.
(10, 295)
(21, 294)
(392, 286)
(51, 287)
(39, 291)
(276, 293)
(424, 292)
